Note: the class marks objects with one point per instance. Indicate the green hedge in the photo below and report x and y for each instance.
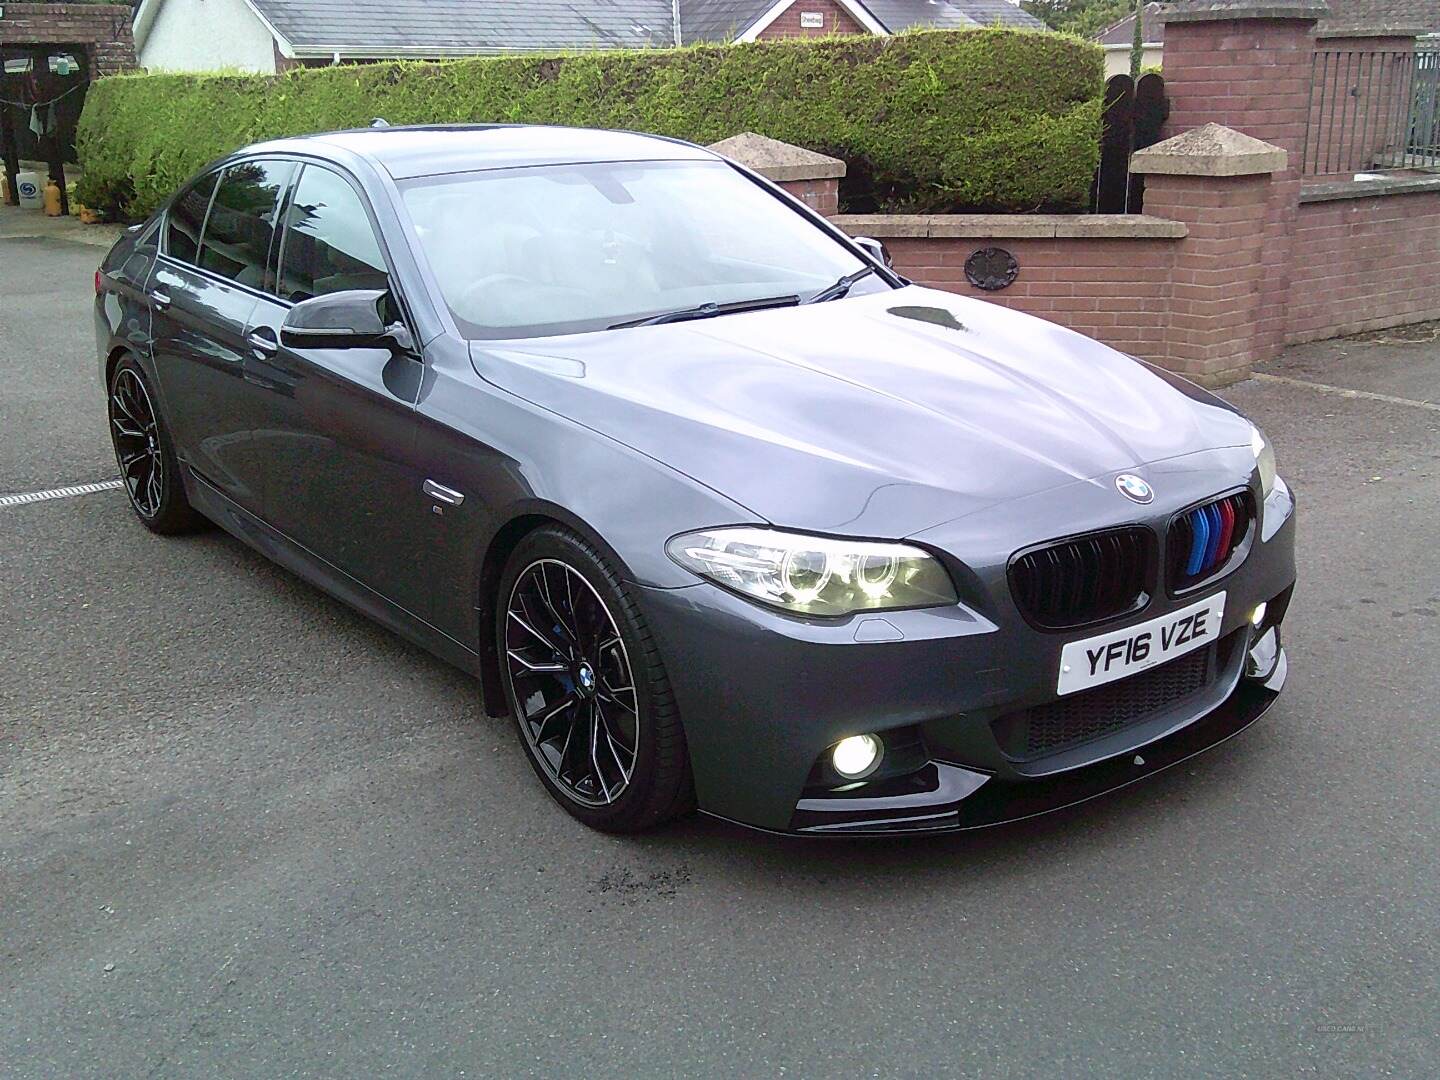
(992, 119)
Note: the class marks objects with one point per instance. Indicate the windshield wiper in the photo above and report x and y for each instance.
(841, 287)
(709, 311)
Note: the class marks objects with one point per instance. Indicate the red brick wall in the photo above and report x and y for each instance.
(1364, 264)
(1196, 304)
(1115, 290)
(822, 196)
(837, 21)
(1252, 75)
(1217, 297)
(104, 30)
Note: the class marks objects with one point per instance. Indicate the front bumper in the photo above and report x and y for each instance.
(959, 798)
(763, 695)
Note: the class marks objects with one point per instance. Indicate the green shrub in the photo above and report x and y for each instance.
(108, 194)
(994, 119)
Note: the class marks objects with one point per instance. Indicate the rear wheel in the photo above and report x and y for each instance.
(586, 687)
(146, 455)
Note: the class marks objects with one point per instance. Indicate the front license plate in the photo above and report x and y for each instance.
(1107, 657)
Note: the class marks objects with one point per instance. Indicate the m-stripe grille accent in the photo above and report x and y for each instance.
(1202, 540)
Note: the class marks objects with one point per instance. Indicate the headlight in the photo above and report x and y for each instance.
(1264, 460)
(813, 575)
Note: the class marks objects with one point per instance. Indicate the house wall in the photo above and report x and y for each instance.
(836, 19)
(207, 35)
(1117, 59)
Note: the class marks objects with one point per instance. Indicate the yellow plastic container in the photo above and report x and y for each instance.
(52, 199)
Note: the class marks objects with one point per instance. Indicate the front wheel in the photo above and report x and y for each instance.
(587, 689)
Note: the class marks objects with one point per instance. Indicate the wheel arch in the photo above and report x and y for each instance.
(112, 361)
(523, 520)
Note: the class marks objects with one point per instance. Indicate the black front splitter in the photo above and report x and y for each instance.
(957, 798)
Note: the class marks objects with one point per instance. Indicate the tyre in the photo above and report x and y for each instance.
(145, 454)
(586, 687)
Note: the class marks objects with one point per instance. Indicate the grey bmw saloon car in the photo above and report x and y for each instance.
(721, 510)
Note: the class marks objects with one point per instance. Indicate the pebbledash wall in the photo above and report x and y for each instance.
(1237, 254)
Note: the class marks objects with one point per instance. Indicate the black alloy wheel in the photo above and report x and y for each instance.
(586, 687)
(146, 456)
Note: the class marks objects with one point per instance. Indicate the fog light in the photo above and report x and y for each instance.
(857, 757)
(1259, 616)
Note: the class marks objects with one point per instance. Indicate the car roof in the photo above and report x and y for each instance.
(408, 152)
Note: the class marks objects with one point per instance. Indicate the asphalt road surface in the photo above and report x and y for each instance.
(243, 832)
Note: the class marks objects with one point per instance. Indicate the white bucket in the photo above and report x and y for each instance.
(27, 186)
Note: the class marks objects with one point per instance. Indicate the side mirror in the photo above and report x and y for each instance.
(876, 250)
(354, 319)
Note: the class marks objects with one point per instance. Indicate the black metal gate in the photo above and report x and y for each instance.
(1134, 115)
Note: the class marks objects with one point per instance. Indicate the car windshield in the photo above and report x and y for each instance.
(568, 249)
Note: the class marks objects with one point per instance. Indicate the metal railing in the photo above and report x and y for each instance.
(1373, 110)
(1425, 105)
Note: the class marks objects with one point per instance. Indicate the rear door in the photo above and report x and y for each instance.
(341, 422)
(218, 241)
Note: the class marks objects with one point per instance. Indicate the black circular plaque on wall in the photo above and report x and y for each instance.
(991, 269)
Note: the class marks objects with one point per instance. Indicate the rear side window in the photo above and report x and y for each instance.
(242, 221)
(186, 218)
(330, 245)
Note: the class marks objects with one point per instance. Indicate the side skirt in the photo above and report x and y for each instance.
(305, 564)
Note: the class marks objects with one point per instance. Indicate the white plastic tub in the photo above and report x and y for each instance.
(27, 186)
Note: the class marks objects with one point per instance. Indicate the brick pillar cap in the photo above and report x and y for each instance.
(776, 160)
(1212, 150)
(1220, 10)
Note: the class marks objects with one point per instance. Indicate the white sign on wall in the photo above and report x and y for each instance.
(812, 20)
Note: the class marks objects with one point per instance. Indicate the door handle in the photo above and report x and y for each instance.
(443, 494)
(160, 300)
(263, 342)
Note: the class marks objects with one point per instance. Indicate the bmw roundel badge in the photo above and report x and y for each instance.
(1133, 488)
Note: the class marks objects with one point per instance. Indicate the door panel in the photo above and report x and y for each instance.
(339, 453)
(202, 321)
(340, 423)
(200, 352)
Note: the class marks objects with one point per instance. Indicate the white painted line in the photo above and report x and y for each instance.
(58, 493)
(1341, 391)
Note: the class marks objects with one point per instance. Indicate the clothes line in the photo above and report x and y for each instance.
(42, 104)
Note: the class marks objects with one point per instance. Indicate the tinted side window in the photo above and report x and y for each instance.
(186, 218)
(330, 245)
(242, 221)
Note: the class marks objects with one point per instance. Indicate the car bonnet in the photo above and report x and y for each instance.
(878, 415)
